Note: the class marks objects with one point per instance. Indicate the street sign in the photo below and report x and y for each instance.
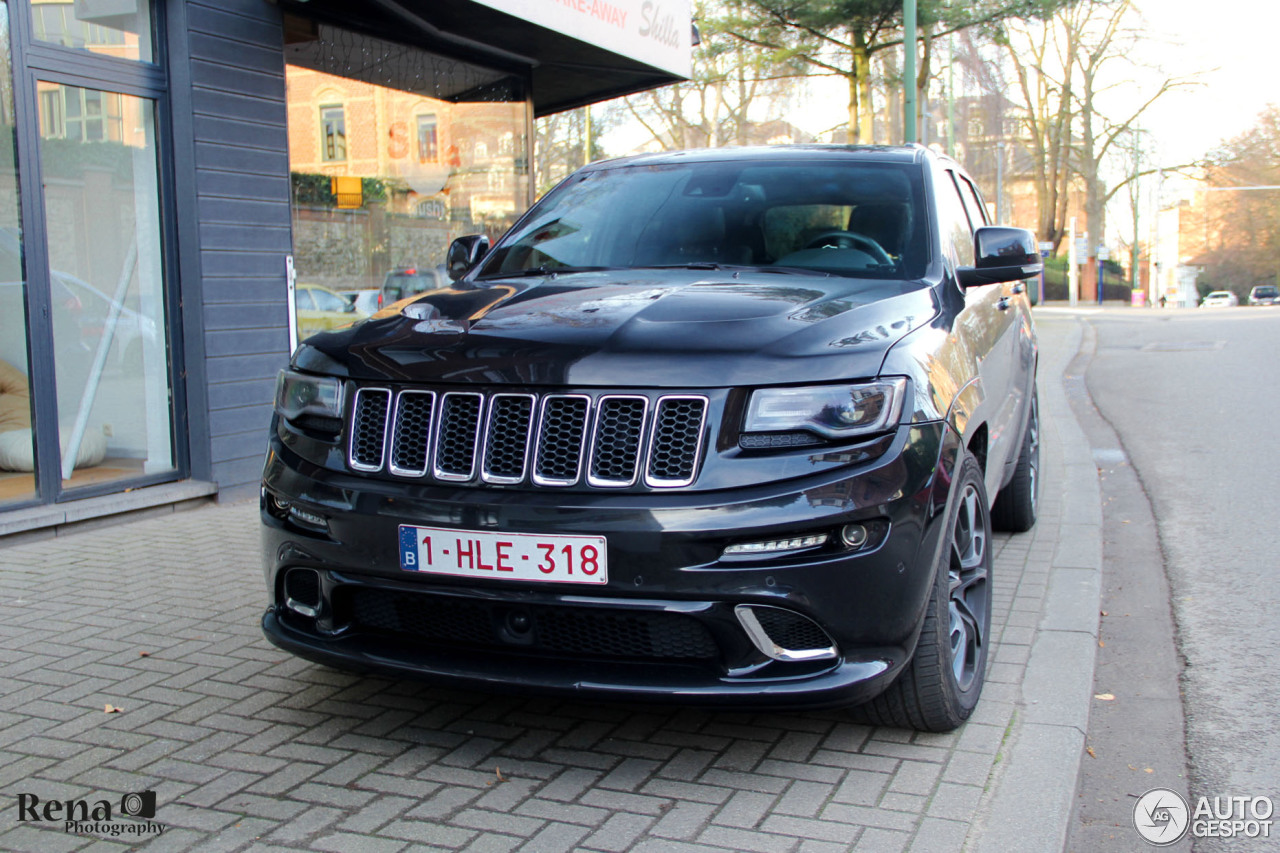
(1082, 248)
(1103, 253)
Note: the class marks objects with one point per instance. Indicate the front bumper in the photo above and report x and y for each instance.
(667, 624)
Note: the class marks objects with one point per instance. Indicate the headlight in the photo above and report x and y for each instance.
(298, 394)
(835, 411)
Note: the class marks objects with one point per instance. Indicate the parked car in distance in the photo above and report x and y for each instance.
(366, 301)
(729, 427)
(1220, 299)
(321, 309)
(1264, 294)
(410, 280)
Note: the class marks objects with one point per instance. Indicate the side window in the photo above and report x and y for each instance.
(428, 143)
(326, 301)
(954, 221)
(973, 203)
(333, 133)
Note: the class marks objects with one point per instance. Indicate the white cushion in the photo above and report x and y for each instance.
(16, 453)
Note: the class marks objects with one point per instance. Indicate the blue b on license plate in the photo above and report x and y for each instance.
(503, 556)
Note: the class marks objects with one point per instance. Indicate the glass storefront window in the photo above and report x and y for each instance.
(17, 458)
(120, 28)
(436, 147)
(107, 285)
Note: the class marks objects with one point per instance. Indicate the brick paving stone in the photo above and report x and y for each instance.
(565, 812)
(495, 822)
(804, 799)
(422, 832)
(903, 802)
(555, 838)
(747, 841)
(875, 840)
(344, 842)
(954, 801)
(635, 803)
(745, 809)
(684, 821)
(618, 833)
(492, 843)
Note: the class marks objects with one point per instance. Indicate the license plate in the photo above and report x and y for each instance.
(503, 556)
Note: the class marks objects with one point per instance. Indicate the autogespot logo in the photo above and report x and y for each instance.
(1161, 816)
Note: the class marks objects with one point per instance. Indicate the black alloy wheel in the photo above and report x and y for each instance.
(938, 690)
(969, 596)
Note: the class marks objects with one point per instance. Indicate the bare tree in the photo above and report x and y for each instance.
(1104, 42)
(841, 37)
(734, 86)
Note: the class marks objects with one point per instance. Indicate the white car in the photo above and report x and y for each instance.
(1220, 299)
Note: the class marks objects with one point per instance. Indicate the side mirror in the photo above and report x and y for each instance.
(349, 308)
(464, 254)
(1001, 254)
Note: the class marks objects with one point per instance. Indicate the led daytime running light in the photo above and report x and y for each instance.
(775, 546)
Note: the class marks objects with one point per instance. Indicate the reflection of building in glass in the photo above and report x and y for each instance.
(438, 143)
(106, 30)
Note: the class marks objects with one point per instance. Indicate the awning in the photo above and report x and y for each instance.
(573, 52)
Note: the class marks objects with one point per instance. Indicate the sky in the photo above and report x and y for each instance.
(1236, 46)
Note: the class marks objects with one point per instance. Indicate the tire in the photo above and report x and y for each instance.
(1015, 507)
(939, 688)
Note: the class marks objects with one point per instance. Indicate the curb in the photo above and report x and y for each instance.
(1031, 804)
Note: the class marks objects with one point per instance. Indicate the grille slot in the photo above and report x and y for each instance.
(411, 435)
(506, 442)
(677, 441)
(458, 436)
(615, 448)
(369, 428)
(562, 435)
(555, 629)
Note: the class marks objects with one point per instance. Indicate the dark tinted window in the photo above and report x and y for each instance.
(846, 218)
(955, 221)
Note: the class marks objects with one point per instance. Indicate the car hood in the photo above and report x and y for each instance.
(637, 328)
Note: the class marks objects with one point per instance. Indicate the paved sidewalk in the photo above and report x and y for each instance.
(249, 748)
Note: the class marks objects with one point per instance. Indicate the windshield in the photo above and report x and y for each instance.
(843, 218)
(1265, 291)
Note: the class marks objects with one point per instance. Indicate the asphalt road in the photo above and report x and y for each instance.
(1192, 397)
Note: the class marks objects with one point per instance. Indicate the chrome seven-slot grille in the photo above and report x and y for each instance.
(608, 441)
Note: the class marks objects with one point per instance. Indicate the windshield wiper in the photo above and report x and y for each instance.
(711, 265)
(539, 270)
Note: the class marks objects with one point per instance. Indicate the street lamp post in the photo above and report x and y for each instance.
(909, 70)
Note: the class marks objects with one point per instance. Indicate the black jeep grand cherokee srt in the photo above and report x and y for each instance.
(716, 426)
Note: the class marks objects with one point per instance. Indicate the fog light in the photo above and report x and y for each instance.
(775, 546)
(854, 535)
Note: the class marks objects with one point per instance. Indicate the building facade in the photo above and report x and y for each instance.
(165, 164)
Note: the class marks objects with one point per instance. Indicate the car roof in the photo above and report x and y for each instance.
(774, 154)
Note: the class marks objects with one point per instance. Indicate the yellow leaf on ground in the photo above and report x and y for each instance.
(112, 709)
(1105, 697)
